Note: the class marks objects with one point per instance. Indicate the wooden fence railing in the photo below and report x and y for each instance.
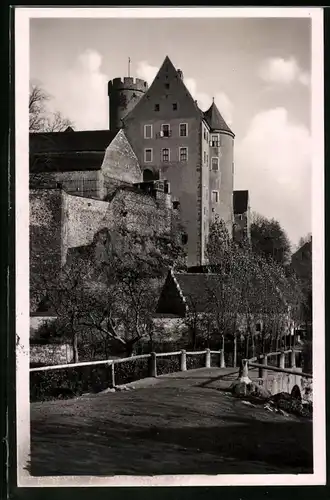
(264, 367)
(152, 357)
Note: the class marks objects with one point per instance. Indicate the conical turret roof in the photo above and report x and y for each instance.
(215, 120)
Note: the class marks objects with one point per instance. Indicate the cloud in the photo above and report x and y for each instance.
(148, 72)
(273, 161)
(82, 95)
(282, 71)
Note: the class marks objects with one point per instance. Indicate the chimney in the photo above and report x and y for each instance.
(180, 74)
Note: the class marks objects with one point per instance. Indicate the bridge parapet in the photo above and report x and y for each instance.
(280, 379)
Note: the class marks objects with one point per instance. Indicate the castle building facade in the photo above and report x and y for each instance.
(161, 161)
(174, 140)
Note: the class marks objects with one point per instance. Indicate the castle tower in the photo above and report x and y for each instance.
(123, 96)
(221, 168)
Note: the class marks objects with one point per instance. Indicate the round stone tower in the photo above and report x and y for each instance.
(123, 96)
(221, 159)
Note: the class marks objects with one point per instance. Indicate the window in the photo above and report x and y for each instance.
(148, 155)
(183, 129)
(215, 141)
(204, 133)
(156, 107)
(165, 154)
(167, 85)
(204, 210)
(148, 131)
(204, 156)
(174, 106)
(165, 131)
(215, 163)
(215, 196)
(183, 154)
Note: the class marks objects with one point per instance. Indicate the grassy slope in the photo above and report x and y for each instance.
(172, 425)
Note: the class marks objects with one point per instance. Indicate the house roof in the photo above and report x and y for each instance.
(69, 150)
(241, 201)
(66, 162)
(68, 141)
(215, 120)
(196, 288)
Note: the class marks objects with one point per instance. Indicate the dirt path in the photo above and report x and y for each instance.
(175, 424)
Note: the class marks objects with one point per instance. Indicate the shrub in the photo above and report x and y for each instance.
(70, 382)
(168, 364)
(130, 371)
(195, 361)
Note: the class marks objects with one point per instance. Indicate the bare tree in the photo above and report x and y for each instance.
(40, 118)
(250, 288)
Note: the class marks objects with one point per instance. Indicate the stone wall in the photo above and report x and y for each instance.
(45, 238)
(60, 222)
(88, 183)
(51, 354)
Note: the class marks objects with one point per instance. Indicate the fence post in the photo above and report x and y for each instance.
(153, 364)
(244, 372)
(235, 351)
(113, 380)
(183, 361)
(293, 359)
(208, 358)
(222, 359)
(282, 360)
(262, 361)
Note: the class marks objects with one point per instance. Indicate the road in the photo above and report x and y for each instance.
(183, 423)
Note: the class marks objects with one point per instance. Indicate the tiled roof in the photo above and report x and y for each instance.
(241, 202)
(215, 120)
(197, 288)
(66, 162)
(60, 142)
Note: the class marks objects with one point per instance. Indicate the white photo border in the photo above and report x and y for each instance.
(22, 18)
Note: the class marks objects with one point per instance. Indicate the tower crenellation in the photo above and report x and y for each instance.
(127, 83)
(123, 94)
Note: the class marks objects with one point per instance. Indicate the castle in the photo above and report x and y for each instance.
(161, 156)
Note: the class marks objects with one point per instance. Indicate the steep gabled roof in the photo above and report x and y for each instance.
(215, 120)
(197, 288)
(167, 86)
(240, 202)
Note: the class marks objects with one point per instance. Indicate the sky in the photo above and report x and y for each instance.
(258, 71)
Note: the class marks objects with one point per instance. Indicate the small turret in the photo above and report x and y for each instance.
(123, 96)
